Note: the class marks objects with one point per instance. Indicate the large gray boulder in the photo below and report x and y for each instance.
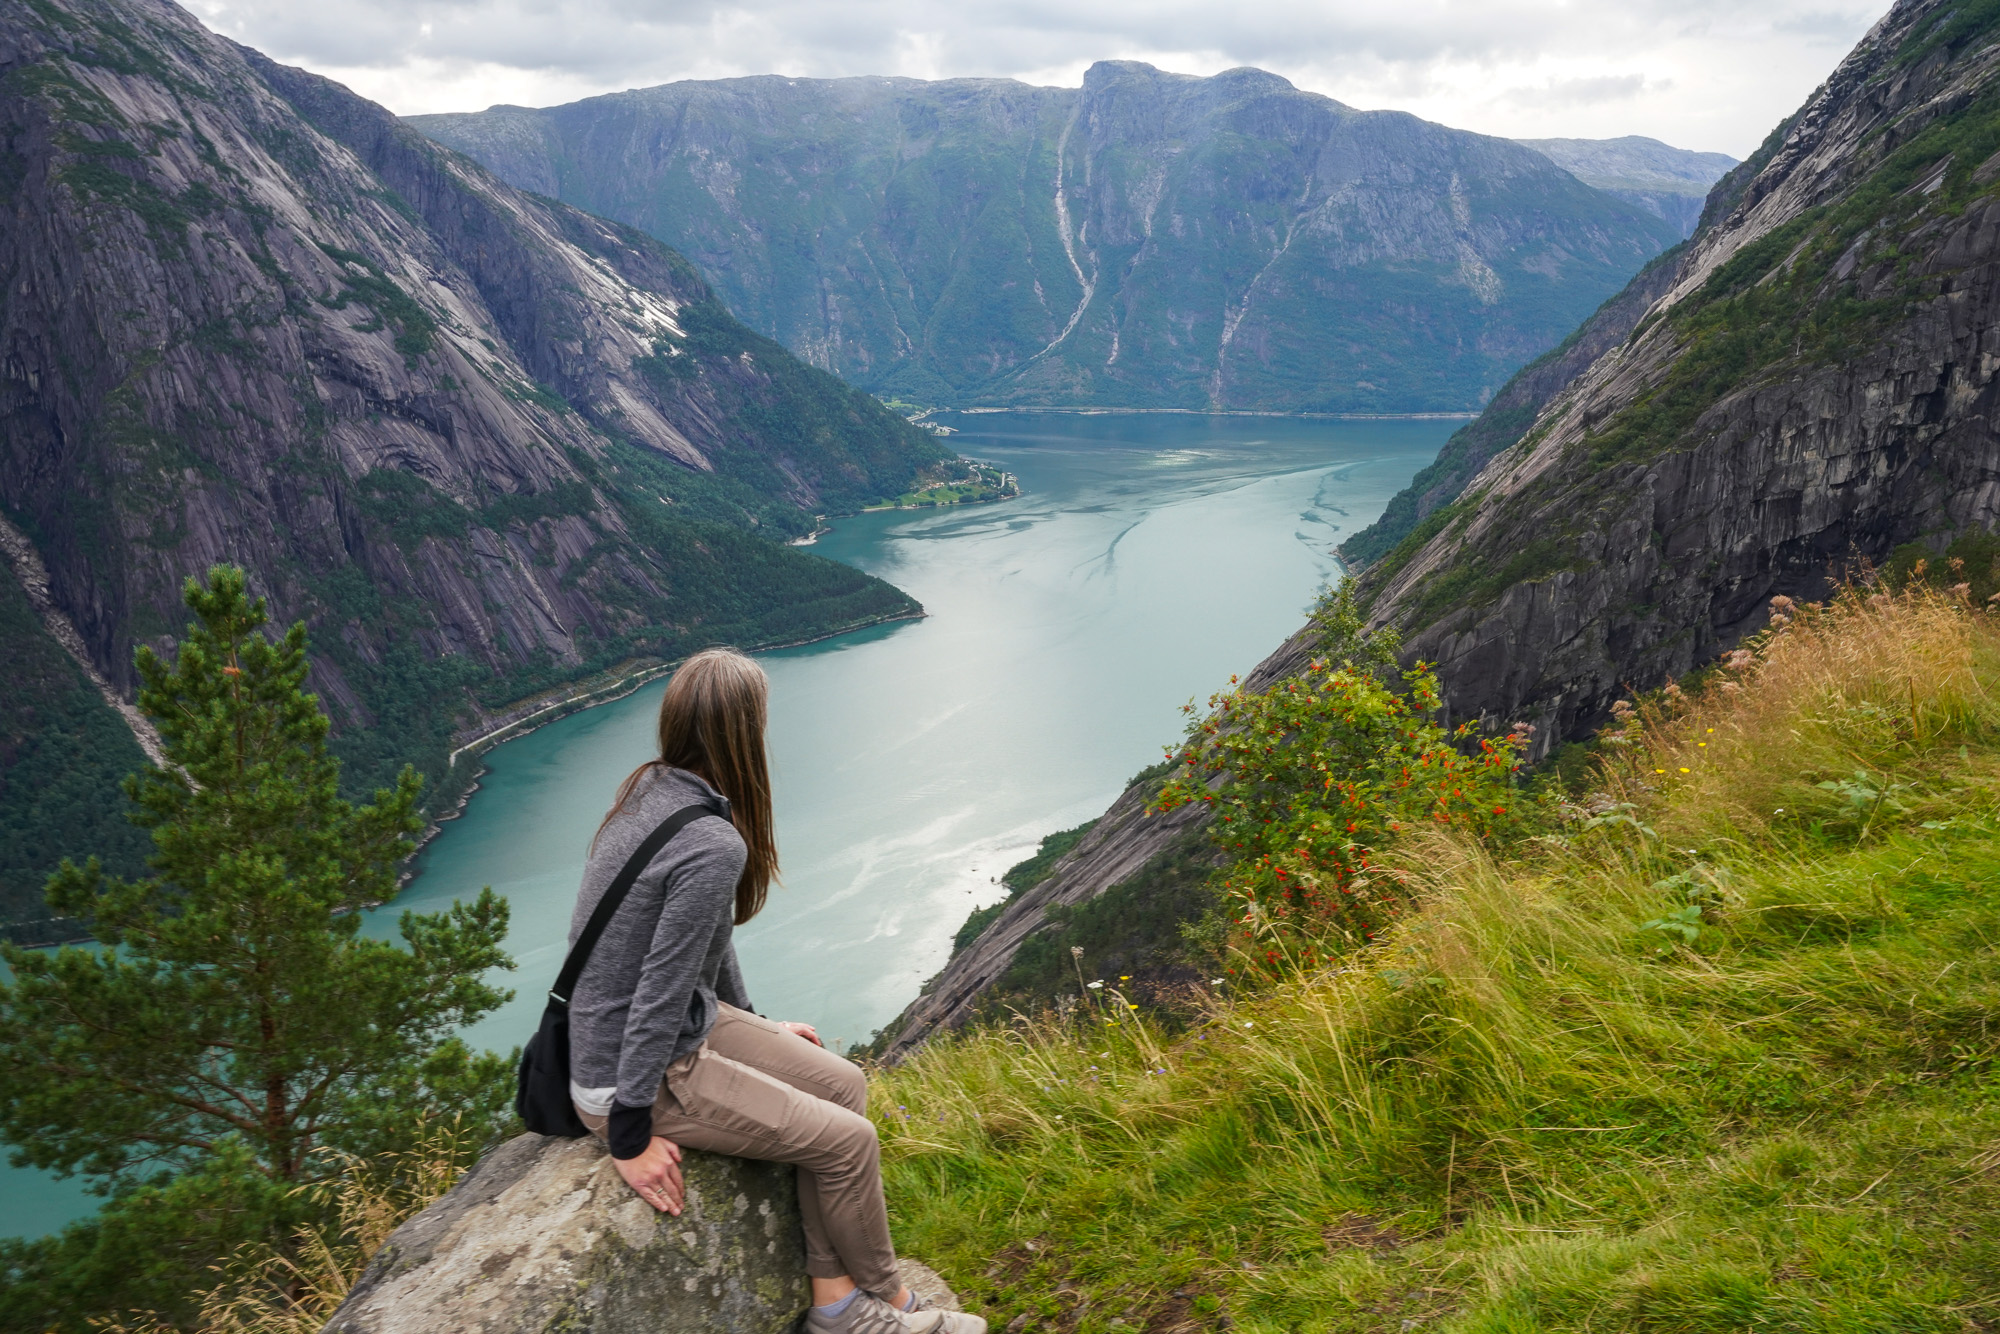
(544, 1235)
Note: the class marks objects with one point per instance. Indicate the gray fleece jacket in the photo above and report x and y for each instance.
(648, 994)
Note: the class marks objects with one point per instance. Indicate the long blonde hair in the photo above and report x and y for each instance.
(712, 724)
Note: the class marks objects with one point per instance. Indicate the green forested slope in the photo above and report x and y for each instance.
(63, 752)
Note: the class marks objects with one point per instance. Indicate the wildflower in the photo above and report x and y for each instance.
(1097, 985)
(1685, 769)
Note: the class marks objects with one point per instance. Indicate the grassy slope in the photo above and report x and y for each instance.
(1526, 1111)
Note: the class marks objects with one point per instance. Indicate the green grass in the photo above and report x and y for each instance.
(1529, 1111)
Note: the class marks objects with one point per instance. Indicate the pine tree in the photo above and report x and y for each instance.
(236, 1022)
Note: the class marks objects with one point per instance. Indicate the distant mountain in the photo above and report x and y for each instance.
(483, 443)
(1149, 239)
(1671, 182)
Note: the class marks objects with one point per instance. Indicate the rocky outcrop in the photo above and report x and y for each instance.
(544, 1235)
(1815, 389)
(1150, 239)
(481, 442)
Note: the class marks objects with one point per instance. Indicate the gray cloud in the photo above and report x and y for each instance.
(1511, 66)
(1590, 92)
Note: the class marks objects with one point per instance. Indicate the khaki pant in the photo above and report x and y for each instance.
(754, 1090)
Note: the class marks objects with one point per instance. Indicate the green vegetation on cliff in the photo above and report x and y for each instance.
(62, 753)
(1708, 1047)
(1879, 265)
(734, 585)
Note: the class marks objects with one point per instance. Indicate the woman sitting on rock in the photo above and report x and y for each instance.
(665, 1051)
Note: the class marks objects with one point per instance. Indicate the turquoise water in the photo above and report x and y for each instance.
(1148, 558)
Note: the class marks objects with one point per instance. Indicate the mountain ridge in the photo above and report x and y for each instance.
(1668, 181)
(1147, 239)
(1807, 397)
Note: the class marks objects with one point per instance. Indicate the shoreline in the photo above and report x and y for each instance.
(645, 671)
(956, 504)
(1086, 411)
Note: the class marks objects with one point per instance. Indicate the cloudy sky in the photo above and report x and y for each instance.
(1704, 74)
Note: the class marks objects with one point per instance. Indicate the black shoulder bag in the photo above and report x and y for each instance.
(541, 1094)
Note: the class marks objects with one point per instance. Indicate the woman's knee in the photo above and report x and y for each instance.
(850, 1087)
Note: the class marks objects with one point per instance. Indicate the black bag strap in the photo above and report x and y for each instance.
(607, 907)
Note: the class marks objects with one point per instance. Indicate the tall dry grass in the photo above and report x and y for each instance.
(295, 1288)
(1580, 1114)
(1874, 685)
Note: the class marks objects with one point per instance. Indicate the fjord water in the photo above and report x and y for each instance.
(1148, 558)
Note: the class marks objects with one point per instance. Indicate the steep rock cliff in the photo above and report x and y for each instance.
(481, 442)
(1813, 391)
(1150, 239)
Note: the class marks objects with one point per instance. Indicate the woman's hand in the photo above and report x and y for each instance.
(805, 1031)
(655, 1175)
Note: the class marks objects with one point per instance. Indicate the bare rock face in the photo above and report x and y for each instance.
(1641, 525)
(544, 1235)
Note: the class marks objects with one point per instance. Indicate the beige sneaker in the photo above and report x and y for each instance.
(871, 1315)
